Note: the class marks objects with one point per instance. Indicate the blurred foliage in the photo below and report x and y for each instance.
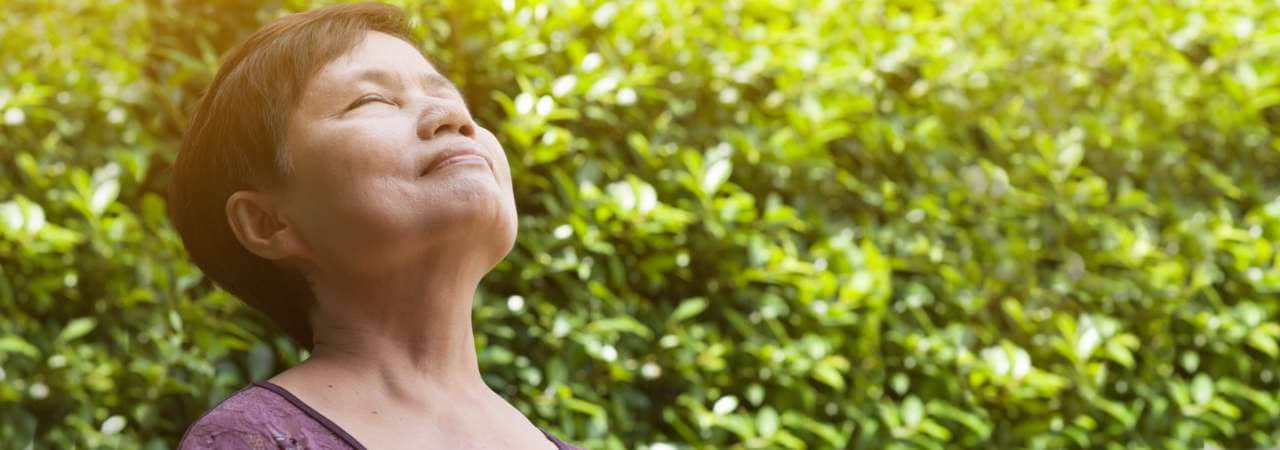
(745, 224)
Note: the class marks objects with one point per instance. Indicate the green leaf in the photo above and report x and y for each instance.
(15, 344)
(585, 407)
(77, 328)
(103, 195)
(688, 309)
(1117, 410)
(767, 421)
(620, 325)
(1264, 343)
(717, 172)
(970, 420)
(829, 375)
(912, 411)
(1201, 389)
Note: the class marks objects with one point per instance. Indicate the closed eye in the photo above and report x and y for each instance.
(368, 99)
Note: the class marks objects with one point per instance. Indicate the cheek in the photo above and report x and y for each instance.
(361, 224)
(352, 188)
(352, 180)
(362, 206)
(345, 159)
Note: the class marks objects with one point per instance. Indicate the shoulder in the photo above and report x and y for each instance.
(256, 418)
(560, 445)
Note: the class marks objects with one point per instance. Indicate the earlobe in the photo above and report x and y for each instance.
(258, 225)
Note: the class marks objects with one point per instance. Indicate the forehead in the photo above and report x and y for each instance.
(377, 52)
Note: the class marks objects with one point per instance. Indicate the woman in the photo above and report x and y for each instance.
(334, 180)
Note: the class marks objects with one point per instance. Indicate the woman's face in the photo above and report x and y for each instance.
(388, 169)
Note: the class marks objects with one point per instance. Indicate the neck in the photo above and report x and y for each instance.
(407, 337)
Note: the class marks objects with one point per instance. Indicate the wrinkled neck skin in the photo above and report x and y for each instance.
(406, 336)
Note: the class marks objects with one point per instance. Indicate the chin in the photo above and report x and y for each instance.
(501, 227)
(472, 206)
(486, 211)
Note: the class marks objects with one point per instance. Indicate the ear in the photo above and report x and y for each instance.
(259, 225)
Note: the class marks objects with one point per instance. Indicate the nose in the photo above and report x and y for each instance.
(441, 117)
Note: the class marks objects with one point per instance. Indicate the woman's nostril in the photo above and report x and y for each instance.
(465, 130)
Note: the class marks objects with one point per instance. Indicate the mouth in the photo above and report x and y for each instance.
(458, 155)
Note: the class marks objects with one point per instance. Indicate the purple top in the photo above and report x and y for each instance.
(265, 416)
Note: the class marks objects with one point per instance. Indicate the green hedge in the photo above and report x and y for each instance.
(744, 224)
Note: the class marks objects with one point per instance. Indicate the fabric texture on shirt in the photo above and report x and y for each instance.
(265, 416)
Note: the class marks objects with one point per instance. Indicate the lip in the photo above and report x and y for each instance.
(455, 155)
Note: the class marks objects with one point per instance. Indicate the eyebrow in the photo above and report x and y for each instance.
(430, 80)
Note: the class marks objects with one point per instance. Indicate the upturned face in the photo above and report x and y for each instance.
(388, 168)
